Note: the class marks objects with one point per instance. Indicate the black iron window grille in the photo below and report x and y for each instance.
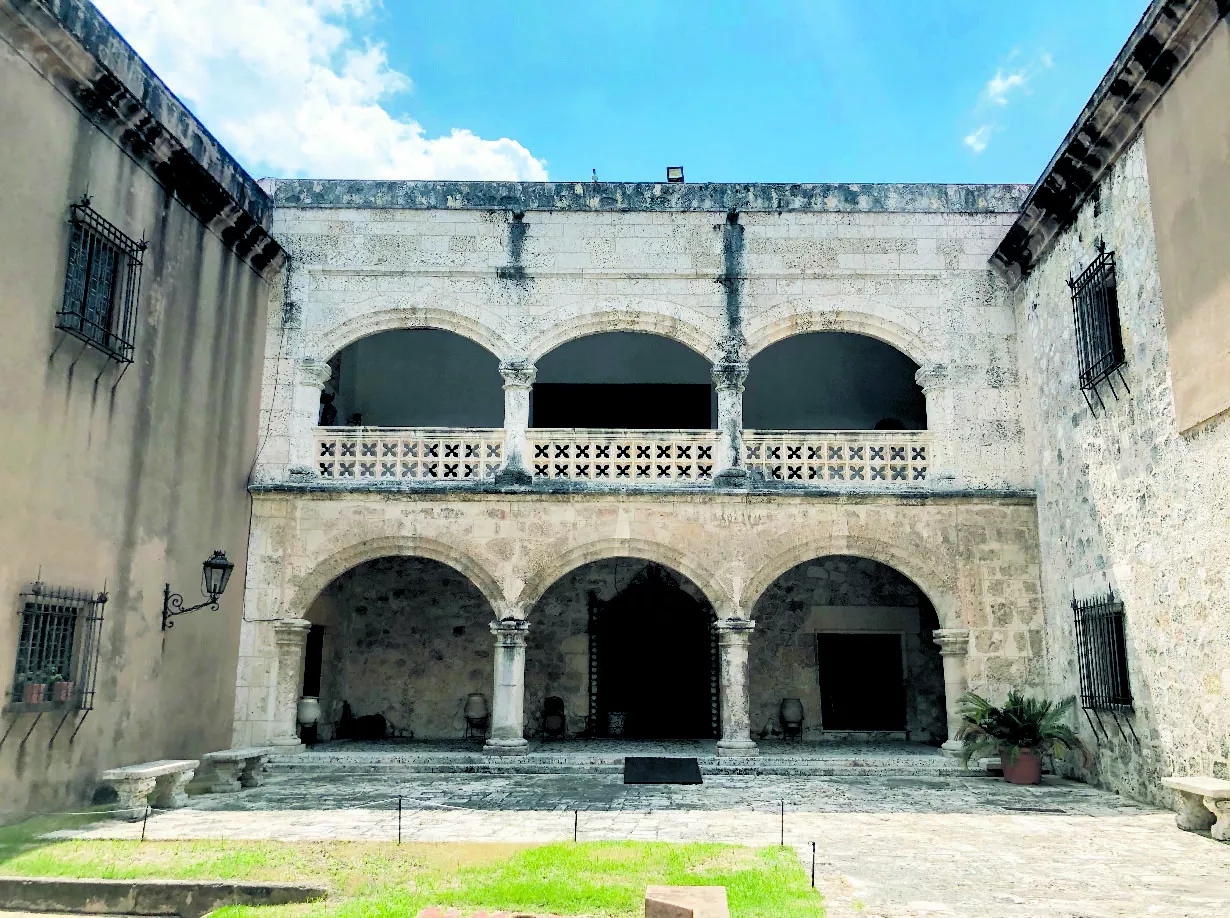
(57, 648)
(1099, 335)
(102, 283)
(1101, 652)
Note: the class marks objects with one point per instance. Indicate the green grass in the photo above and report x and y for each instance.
(376, 879)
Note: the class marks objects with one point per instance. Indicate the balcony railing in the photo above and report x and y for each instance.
(622, 455)
(419, 454)
(857, 458)
(829, 459)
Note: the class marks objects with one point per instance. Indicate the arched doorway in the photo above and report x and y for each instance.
(851, 639)
(398, 644)
(628, 646)
(833, 381)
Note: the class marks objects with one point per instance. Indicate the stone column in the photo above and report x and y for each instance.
(942, 385)
(733, 634)
(310, 378)
(728, 379)
(290, 638)
(507, 736)
(954, 648)
(518, 381)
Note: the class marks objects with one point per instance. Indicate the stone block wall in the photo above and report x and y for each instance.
(1126, 502)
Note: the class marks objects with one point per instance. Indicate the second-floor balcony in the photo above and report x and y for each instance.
(829, 459)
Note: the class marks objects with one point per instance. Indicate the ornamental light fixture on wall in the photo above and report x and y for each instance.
(215, 574)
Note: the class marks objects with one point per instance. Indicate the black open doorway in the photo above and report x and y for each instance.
(653, 661)
(862, 682)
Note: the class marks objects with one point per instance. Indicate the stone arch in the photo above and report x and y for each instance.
(938, 588)
(555, 566)
(764, 334)
(328, 341)
(564, 328)
(307, 587)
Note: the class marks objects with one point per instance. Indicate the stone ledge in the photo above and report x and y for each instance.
(660, 197)
(185, 898)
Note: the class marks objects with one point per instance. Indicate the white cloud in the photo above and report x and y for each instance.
(292, 87)
(979, 138)
(997, 88)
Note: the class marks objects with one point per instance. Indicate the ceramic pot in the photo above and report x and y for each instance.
(791, 712)
(33, 692)
(308, 710)
(476, 709)
(1027, 769)
(615, 722)
(62, 691)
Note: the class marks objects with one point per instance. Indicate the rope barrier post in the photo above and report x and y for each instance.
(783, 823)
(576, 821)
(813, 865)
(144, 820)
(399, 819)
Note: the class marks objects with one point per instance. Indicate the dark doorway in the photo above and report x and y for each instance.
(652, 660)
(862, 682)
(621, 406)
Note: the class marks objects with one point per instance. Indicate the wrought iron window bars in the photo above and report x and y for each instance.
(1101, 653)
(1099, 335)
(57, 654)
(101, 284)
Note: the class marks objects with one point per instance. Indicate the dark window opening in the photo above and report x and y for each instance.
(623, 381)
(1101, 648)
(57, 647)
(833, 381)
(101, 284)
(1095, 310)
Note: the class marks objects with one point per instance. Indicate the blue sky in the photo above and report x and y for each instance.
(827, 90)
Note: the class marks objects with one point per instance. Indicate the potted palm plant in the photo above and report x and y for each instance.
(1020, 733)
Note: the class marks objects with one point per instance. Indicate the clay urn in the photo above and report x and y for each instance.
(308, 710)
(476, 709)
(791, 713)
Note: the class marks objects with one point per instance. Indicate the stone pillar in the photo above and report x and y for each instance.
(518, 381)
(942, 386)
(290, 638)
(954, 649)
(733, 634)
(728, 380)
(507, 736)
(310, 378)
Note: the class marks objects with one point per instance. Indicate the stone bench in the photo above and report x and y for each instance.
(1204, 804)
(686, 902)
(234, 769)
(166, 779)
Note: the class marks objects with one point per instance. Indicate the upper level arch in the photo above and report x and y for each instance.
(329, 340)
(664, 319)
(762, 332)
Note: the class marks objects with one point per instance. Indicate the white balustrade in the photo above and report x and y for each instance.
(403, 453)
(622, 455)
(837, 458)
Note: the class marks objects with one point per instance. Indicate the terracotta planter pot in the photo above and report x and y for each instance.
(33, 692)
(62, 691)
(1027, 769)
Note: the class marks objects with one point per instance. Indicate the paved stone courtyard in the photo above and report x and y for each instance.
(897, 847)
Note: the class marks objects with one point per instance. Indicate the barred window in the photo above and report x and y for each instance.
(101, 284)
(1101, 650)
(1095, 309)
(57, 647)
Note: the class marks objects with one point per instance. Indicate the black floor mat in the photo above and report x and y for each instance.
(655, 770)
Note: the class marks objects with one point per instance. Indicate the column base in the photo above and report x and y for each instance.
(737, 748)
(506, 747)
(286, 745)
(733, 478)
(952, 748)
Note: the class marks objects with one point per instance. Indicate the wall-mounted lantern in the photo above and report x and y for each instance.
(215, 574)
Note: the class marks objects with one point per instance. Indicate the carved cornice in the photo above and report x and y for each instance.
(1167, 37)
(81, 54)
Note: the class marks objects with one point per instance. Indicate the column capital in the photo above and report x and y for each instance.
(518, 374)
(953, 641)
(291, 630)
(739, 626)
(510, 631)
(730, 375)
(313, 372)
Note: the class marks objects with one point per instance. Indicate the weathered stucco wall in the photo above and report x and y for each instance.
(123, 480)
(1125, 500)
(826, 595)
(975, 559)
